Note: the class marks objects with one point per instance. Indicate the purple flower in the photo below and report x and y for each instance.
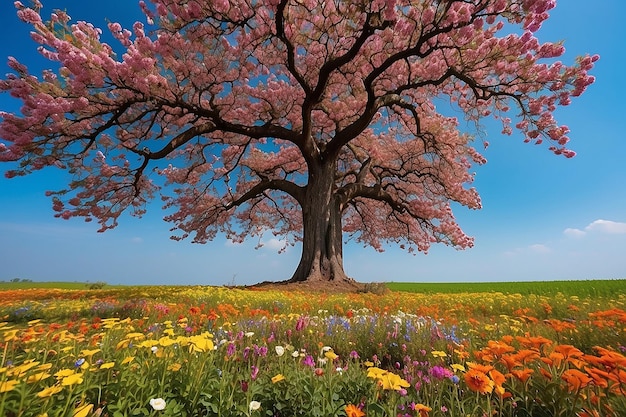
(230, 351)
(439, 372)
(254, 373)
(354, 354)
(79, 362)
(308, 361)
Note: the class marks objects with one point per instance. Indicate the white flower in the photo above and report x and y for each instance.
(295, 354)
(280, 351)
(154, 349)
(158, 403)
(254, 405)
(249, 334)
(326, 349)
(339, 370)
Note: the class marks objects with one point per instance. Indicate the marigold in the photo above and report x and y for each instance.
(353, 411)
(522, 374)
(478, 381)
(576, 379)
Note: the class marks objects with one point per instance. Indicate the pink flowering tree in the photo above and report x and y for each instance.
(313, 120)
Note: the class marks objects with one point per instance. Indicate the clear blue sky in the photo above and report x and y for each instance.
(544, 217)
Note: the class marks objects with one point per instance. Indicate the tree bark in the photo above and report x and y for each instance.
(322, 240)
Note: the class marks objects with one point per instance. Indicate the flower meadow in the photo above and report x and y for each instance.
(218, 351)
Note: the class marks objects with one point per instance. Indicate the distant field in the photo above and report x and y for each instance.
(592, 288)
(579, 288)
(53, 284)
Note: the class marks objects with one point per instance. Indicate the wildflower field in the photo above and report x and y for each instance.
(217, 351)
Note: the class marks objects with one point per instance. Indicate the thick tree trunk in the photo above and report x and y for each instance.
(322, 242)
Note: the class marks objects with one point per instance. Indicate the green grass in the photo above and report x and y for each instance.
(579, 288)
(602, 288)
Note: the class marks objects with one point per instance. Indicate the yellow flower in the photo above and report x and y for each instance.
(439, 354)
(368, 363)
(174, 367)
(107, 365)
(201, 343)
(392, 381)
(33, 322)
(50, 391)
(72, 380)
(136, 335)
(9, 385)
(10, 335)
(166, 341)
(374, 372)
(89, 353)
(277, 378)
(331, 355)
(127, 359)
(122, 344)
(458, 367)
(169, 332)
(148, 343)
(37, 377)
(82, 410)
(19, 370)
(64, 372)
(44, 367)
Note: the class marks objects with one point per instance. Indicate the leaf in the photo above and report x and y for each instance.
(375, 408)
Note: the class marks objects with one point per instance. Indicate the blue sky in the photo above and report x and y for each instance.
(544, 217)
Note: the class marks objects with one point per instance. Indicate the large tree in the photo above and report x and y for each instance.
(310, 119)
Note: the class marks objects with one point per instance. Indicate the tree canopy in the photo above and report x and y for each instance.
(315, 120)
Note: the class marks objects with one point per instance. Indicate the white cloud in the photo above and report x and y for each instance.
(574, 233)
(273, 244)
(539, 248)
(535, 248)
(597, 226)
(607, 226)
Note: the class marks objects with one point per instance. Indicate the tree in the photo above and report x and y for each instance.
(311, 119)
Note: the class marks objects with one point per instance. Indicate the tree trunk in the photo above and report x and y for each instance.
(322, 241)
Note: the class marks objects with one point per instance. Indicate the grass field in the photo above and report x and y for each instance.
(578, 288)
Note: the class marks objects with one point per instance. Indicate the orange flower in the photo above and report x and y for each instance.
(422, 410)
(498, 379)
(600, 378)
(510, 361)
(480, 368)
(535, 342)
(568, 351)
(522, 374)
(353, 411)
(498, 348)
(478, 381)
(576, 379)
(526, 355)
